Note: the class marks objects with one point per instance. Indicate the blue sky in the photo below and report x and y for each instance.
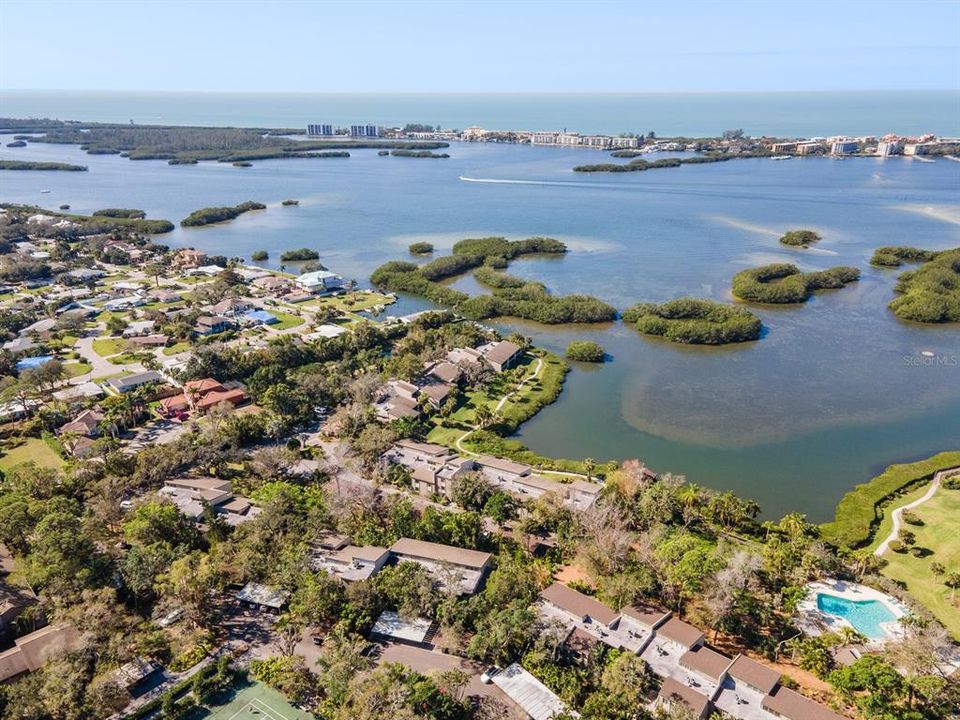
(603, 46)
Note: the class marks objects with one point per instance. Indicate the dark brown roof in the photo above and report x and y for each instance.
(648, 615)
(440, 553)
(502, 352)
(794, 706)
(680, 632)
(578, 604)
(705, 661)
(754, 674)
(671, 690)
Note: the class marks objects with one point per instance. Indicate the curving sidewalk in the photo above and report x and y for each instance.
(499, 406)
(898, 521)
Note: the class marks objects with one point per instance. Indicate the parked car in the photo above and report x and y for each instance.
(487, 677)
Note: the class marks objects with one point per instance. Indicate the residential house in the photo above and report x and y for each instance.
(745, 673)
(679, 633)
(201, 395)
(445, 563)
(320, 282)
(211, 325)
(273, 284)
(165, 296)
(192, 495)
(126, 383)
(786, 703)
(531, 695)
(149, 341)
(261, 597)
(673, 694)
(79, 393)
(229, 306)
(138, 327)
(707, 663)
(30, 652)
(432, 467)
(189, 258)
(581, 608)
(444, 371)
(86, 424)
(501, 355)
(352, 563)
(127, 302)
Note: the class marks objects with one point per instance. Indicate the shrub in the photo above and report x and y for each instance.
(259, 255)
(897, 546)
(799, 238)
(783, 283)
(695, 322)
(910, 518)
(299, 254)
(420, 248)
(585, 351)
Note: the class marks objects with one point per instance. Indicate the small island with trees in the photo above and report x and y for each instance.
(511, 296)
(299, 255)
(290, 203)
(420, 248)
(585, 351)
(30, 165)
(930, 293)
(130, 213)
(784, 284)
(259, 255)
(695, 321)
(800, 238)
(418, 154)
(895, 256)
(211, 215)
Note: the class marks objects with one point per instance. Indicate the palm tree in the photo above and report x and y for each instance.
(484, 415)
(589, 465)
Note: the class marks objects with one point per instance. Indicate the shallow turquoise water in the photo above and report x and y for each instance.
(866, 616)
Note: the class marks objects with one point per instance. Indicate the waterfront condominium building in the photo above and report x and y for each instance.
(885, 149)
(325, 129)
(843, 147)
(544, 138)
(365, 131)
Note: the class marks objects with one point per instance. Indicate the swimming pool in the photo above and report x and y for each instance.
(866, 616)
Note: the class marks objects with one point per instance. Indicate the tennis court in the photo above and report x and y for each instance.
(258, 702)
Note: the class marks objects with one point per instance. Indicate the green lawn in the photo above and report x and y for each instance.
(31, 449)
(256, 701)
(176, 348)
(102, 378)
(940, 515)
(286, 320)
(127, 358)
(73, 369)
(351, 302)
(108, 346)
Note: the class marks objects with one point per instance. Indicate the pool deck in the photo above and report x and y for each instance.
(814, 621)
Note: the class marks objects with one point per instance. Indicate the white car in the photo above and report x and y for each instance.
(487, 677)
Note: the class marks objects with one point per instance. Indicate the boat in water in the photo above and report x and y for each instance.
(782, 157)
(44, 191)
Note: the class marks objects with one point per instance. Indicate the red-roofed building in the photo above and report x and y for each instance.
(201, 395)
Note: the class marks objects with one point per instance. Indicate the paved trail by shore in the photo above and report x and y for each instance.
(898, 520)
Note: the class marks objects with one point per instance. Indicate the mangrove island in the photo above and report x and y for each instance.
(694, 321)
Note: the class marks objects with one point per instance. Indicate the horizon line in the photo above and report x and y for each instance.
(475, 92)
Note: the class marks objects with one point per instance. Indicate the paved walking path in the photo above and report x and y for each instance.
(503, 400)
(897, 520)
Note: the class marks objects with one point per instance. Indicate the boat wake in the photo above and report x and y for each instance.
(497, 181)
